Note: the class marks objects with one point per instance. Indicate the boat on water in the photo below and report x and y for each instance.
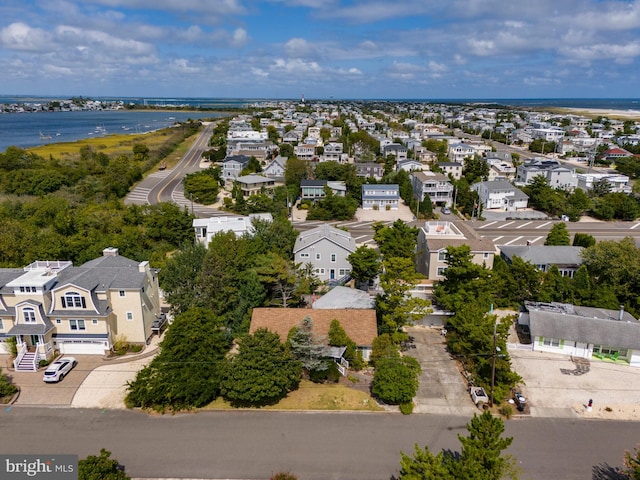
(45, 136)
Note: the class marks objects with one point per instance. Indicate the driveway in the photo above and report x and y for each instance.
(93, 383)
(442, 389)
(33, 391)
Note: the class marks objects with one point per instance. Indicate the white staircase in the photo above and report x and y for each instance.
(26, 361)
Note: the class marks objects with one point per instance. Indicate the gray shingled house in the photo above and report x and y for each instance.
(583, 331)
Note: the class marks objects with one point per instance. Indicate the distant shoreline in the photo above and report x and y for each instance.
(593, 112)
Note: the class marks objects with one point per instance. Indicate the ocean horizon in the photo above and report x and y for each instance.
(237, 102)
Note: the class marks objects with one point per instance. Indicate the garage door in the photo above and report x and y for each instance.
(86, 347)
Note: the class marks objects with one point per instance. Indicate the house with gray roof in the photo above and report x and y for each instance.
(567, 258)
(500, 194)
(233, 166)
(380, 196)
(326, 248)
(52, 306)
(585, 332)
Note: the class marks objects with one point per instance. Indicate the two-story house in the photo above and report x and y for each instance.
(397, 150)
(276, 168)
(255, 184)
(454, 169)
(436, 186)
(53, 306)
(435, 237)
(380, 196)
(233, 166)
(305, 151)
(556, 174)
(457, 152)
(370, 169)
(327, 249)
(500, 194)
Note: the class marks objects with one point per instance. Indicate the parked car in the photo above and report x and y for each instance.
(58, 369)
(446, 210)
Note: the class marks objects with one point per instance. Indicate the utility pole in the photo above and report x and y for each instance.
(495, 353)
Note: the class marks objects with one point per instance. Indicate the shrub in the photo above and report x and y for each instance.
(329, 375)
(43, 363)
(6, 387)
(395, 380)
(406, 408)
(506, 411)
(283, 476)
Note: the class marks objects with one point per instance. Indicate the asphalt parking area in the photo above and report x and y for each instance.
(33, 391)
(442, 388)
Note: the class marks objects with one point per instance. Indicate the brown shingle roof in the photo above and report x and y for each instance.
(360, 325)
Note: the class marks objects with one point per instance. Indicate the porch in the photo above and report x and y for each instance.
(33, 345)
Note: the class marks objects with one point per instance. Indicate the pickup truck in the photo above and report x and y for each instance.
(479, 396)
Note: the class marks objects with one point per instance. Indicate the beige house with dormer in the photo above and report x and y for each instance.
(52, 306)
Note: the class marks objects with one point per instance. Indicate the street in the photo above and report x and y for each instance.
(314, 446)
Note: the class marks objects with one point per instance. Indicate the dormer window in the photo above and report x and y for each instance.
(73, 300)
(29, 315)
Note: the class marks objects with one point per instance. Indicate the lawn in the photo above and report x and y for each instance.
(313, 396)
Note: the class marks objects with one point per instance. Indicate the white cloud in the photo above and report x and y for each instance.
(20, 36)
(300, 48)
(239, 37)
(295, 65)
(436, 67)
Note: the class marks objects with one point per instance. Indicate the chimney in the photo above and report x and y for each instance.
(621, 312)
(110, 252)
(143, 267)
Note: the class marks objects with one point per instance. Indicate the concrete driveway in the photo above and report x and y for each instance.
(33, 391)
(442, 389)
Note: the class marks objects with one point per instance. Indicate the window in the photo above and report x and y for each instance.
(320, 271)
(76, 324)
(129, 316)
(485, 255)
(441, 270)
(1, 325)
(29, 315)
(333, 257)
(94, 321)
(551, 342)
(122, 293)
(304, 255)
(442, 256)
(58, 321)
(317, 256)
(73, 300)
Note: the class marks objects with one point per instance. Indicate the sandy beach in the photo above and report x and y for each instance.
(598, 112)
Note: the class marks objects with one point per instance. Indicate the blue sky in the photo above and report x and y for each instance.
(321, 48)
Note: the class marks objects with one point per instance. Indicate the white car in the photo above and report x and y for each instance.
(58, 369)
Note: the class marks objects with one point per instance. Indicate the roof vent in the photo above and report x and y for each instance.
(621, 313)
(110, 252)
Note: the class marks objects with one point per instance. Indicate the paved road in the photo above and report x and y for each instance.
(166, 185)
(318, 446)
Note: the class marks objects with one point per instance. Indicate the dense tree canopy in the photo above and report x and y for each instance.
(261, 373)
(186, 372)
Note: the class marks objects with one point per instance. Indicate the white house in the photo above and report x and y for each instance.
(584, 332)
(380, 196)
(500, 194)
(206, 228)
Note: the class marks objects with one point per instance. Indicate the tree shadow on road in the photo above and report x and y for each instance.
(604, 471)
